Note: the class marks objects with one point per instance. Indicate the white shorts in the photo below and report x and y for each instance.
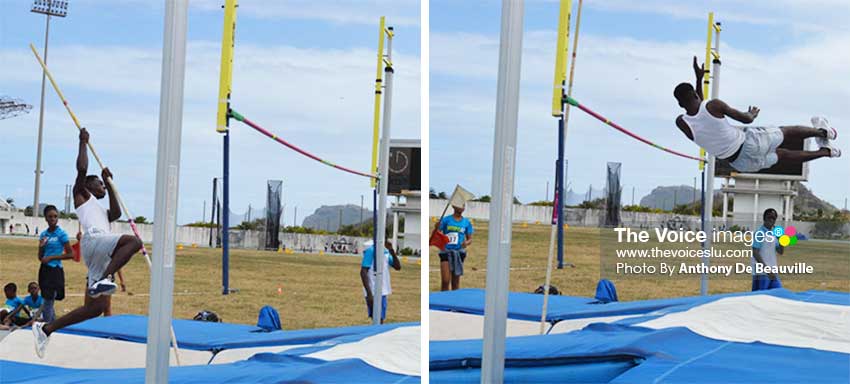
(759, 149)
(97, 247)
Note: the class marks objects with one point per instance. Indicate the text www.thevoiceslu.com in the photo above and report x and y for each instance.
(657, 253)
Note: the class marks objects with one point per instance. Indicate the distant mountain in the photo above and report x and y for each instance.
(663, 197)
(807, 203)
(669, 197)
(327, 217)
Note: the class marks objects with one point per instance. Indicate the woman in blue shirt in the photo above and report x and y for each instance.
(53, 247)
(459, 231)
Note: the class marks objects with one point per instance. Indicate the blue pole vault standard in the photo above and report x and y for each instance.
(559, 202)
(225, 228)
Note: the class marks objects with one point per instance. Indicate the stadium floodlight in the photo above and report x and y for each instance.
(10, 107)
(58, 8)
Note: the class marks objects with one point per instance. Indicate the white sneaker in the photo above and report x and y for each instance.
(40, 339)
(102, 287)
(833, 151)
(831, 133)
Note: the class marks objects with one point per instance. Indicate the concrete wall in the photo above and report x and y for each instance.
(595, 217)
(200, 236)
(572, 216)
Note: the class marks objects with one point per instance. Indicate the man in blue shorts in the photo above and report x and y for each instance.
(368, 274)
(765, 247)
(459, 231)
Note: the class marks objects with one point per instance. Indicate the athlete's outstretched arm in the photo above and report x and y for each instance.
(82, 159)
(699, 71)
(719, 107)
(80, 192)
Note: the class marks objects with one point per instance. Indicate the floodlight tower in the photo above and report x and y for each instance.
(10, 107)
(58, 8)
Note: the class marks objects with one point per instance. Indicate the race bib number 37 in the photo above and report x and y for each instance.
(454, 238)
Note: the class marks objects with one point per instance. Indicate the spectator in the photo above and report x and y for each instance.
(53, 247)
(368, 274)
(459, 231)
(14, 311)
(34, 302)
(765, 247)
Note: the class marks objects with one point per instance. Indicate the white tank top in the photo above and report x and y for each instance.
(92, 215)
(716, 136)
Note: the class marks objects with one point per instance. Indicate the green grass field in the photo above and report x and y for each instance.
(583, 247)
(315, 290)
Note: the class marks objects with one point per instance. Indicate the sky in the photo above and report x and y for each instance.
(302, 69)
(788, 57)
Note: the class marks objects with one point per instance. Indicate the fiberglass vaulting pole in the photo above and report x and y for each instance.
(167, 180)
(708, 205)
(379, 261)
(502, 191)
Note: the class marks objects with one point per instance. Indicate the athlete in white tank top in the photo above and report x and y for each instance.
(713, 134)
(104, 253)
(93, 216)
(704, 122)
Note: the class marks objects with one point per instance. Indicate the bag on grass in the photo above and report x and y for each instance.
(269, 319)
(606, 292)
(553, 290)
(207, 316)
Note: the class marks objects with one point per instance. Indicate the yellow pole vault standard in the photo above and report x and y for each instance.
(706, 75)
(561, 58)
(379, 79)
(226, 76)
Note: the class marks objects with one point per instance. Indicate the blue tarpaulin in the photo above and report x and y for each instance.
(262, 368)
(527, 306)
(208, 336)
(624, 352)
(287, 366)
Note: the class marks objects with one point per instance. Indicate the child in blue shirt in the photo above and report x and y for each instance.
(53, 247)
(13, 311)
(459, 231)
(34, 301)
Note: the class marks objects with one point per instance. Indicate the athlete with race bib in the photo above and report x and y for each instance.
(459, 231)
